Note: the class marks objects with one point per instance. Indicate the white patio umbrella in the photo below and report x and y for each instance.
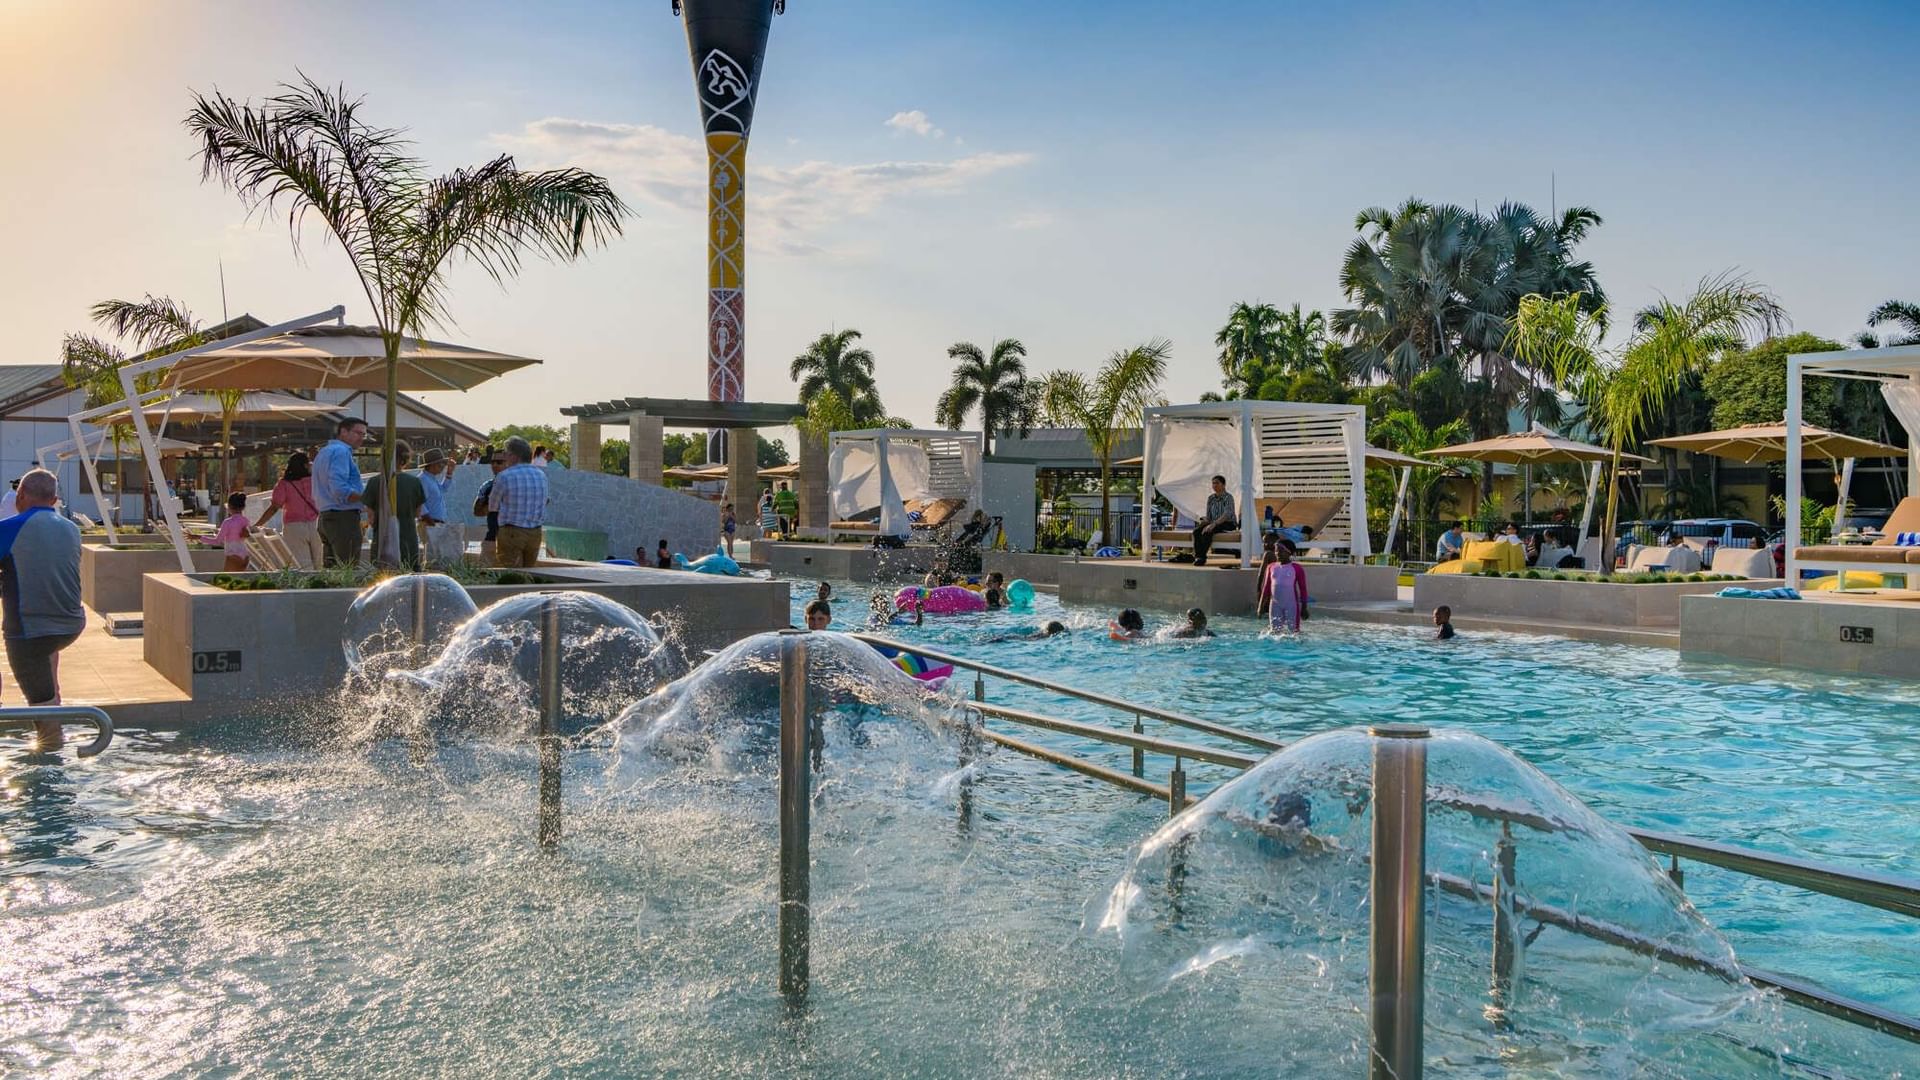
(253, 405)
(340, 357)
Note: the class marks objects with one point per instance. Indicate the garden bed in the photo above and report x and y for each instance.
(110, 574)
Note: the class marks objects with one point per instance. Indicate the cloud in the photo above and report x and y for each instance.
(1032, 219)
(792, 204)
(915, 122)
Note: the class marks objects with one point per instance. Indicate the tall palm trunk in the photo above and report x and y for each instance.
(389, 554)
(1610, 519)
(226, 451)
(1106, 520)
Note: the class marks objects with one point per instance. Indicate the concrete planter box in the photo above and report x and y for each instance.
(288, 640)
(1817, 635)
(1178, 586)
(844, 562)
(1036, 568)
(110, 576)
(1589, 603)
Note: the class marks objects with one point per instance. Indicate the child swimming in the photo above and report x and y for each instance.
(1196, 626)
(1054, 628)
(1127, 626)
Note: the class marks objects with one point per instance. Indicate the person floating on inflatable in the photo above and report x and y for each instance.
(882, 613)
(943, 600)
(1020, 594)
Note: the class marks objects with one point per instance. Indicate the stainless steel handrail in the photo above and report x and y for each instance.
(1889, 892)
(1193, 723)
(29, 716)
(1118, 738)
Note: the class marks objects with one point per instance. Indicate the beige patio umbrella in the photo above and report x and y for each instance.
(64, 449)
(1750, 443)
(1768, 442)
(789, 471)
(1541, 446)
(253, 405)
(340, 357)
(694, 473)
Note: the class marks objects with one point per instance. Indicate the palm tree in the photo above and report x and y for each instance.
(996, 383)
(1402, 430)
(1902, 314)
(307, 150)
(833, 362)
(161, 322)
(1109, 404)
(1248, 344)
(1625, 392)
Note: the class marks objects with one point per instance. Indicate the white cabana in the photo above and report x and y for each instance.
(1897, 372)
(1271, 452)
(884, 469)
(94, 447)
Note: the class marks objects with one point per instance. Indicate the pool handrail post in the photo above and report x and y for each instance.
(1139, 755)
(1396, 945)
(550, 700)
(795, 785)
(29, 717)
(419, 620)
(1506, 931)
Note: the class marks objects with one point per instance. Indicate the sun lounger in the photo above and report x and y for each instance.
(1314, 513)
(1885, 555)
(1744, 562)
(1485, 555)
(1678, 559)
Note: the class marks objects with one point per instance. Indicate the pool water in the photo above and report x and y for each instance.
(1821, 767)
(263, 899)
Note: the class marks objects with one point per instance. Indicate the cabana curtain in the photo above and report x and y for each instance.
(1192, 453)
(857, 485)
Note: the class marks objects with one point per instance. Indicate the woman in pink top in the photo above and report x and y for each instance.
(293, 495)
(1287, 589)
(234, 531)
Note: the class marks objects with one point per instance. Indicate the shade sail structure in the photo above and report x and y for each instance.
(100, 439)
(1536, 447)
(253, 405)
(1768, 442)
(340, 357)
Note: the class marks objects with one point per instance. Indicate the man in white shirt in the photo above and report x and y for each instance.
(8, 502)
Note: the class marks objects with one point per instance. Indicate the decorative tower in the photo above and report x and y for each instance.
(727, 40)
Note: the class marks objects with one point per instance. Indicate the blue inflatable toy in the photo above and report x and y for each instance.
(717, 563)
(1020, 594)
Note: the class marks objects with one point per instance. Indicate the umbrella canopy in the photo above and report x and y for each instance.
(253, 405)
(781, 472)
(1536, 447)
(64, 449)
(703, 472)
(341, 357)
(1768, 442)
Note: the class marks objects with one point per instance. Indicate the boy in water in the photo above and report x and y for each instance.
(995, 601)
(1053, 628)
(1196, 625)
(825, 592)
(819, 615)
(1443, 618)
(1128, 626)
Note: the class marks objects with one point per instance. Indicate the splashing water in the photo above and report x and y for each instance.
(398, 622)
(486, 680)
(1259, 897)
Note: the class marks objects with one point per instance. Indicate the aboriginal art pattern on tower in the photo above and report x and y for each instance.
(727, 40)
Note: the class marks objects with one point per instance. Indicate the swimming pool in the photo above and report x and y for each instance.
(1785, 761)
(260, 899)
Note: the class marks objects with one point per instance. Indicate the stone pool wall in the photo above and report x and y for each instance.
(845, 562)
(1589, 603)
(287, 642)
(1864, 636)
(1215, 589)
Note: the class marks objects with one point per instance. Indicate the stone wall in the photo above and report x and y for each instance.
(1589, 603)
(1217, 590)
(1865, 637)
(110, 577)
(632, 514)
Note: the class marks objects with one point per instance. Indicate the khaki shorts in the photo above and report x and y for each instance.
(516, 546)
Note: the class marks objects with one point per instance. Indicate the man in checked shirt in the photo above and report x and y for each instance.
(520, 498)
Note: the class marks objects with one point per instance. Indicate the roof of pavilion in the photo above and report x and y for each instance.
(688, 412)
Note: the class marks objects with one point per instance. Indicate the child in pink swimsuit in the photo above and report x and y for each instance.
(233, 533)
(1287, 589)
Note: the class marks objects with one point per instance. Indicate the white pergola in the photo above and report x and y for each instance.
(1897, 372)
(953, 471)
(1293, 449)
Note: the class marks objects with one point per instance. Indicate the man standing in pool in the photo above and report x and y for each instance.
(1219, 519)
(40, 594)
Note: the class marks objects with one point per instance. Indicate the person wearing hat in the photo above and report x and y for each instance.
(441, 541)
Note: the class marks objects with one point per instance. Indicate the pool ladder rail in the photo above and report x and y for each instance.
(1895, 893)
(26, 718)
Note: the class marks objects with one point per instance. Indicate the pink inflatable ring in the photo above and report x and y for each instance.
(945, 600)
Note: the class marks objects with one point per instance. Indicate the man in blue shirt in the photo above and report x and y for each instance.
(519, 495)
(441, 540)
(339, 491)
(39, 594)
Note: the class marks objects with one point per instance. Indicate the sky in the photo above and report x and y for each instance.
(1081, 175)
